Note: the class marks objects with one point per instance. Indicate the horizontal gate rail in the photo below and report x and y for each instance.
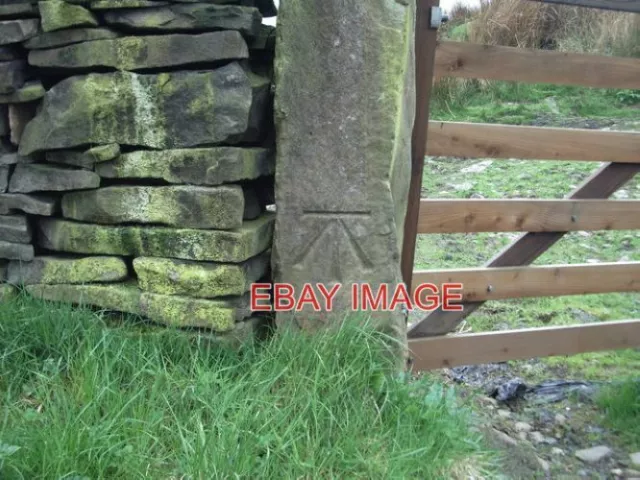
(472, 60)
(524, 251)
(479, 140)
(473, 216)
(479, 348)
(483, 284)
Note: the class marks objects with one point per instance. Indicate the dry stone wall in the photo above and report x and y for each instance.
(136, 155)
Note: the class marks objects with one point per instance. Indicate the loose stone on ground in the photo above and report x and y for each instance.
(594, 454)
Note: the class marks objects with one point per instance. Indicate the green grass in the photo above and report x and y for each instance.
(621, 407)
(524, 104)
(82, 397)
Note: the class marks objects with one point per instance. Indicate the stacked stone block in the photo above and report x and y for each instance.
(137, 156)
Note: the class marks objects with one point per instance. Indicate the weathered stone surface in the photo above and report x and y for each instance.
(18, 10)
(38, 204)
(14, 158)
(57, 15)
(120, 297)
(220, 316)
(4, 178)
(15, 31)
(197, 279)
(341, 189)
(118, 4)
(188, 17)
(16, 251)
(196, 166)
(15, 229)
(7, 292)
(60, 38)
(139, 53)
(45, 178)
(4, 123)
(12, 76)
(30, 92)
(169, 110)
(52, 270)
(19, 115)
(217, 315)
(87, 159)
(181, 206)
(201, 245)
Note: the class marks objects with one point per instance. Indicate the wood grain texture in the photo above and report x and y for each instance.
(472, 60)
(473, 216)
(479, 140)
(480, 348)
(615, 5)
(485, 284)
(525, 250)
(426, 40)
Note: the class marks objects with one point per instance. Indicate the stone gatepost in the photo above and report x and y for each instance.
(345, 106)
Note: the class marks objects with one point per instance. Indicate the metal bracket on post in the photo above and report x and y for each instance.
(437, 18)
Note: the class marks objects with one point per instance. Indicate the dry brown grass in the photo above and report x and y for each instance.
(526, 24)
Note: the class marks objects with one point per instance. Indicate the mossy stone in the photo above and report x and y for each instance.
(30, 92)
(58, 15)
(52, 270)
(163, 111)
(195, 166)
(220, 316)
(233, 246)
(117, 297)
(177, 206)
(197, 17)
(144, 52)
(98, 5)
(167, 276)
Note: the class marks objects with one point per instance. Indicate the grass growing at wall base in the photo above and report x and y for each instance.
(81, 399)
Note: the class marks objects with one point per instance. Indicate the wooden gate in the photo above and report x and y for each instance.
(543, 222)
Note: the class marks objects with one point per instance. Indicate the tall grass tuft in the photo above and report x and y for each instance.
(526, 24)
(81, 399)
